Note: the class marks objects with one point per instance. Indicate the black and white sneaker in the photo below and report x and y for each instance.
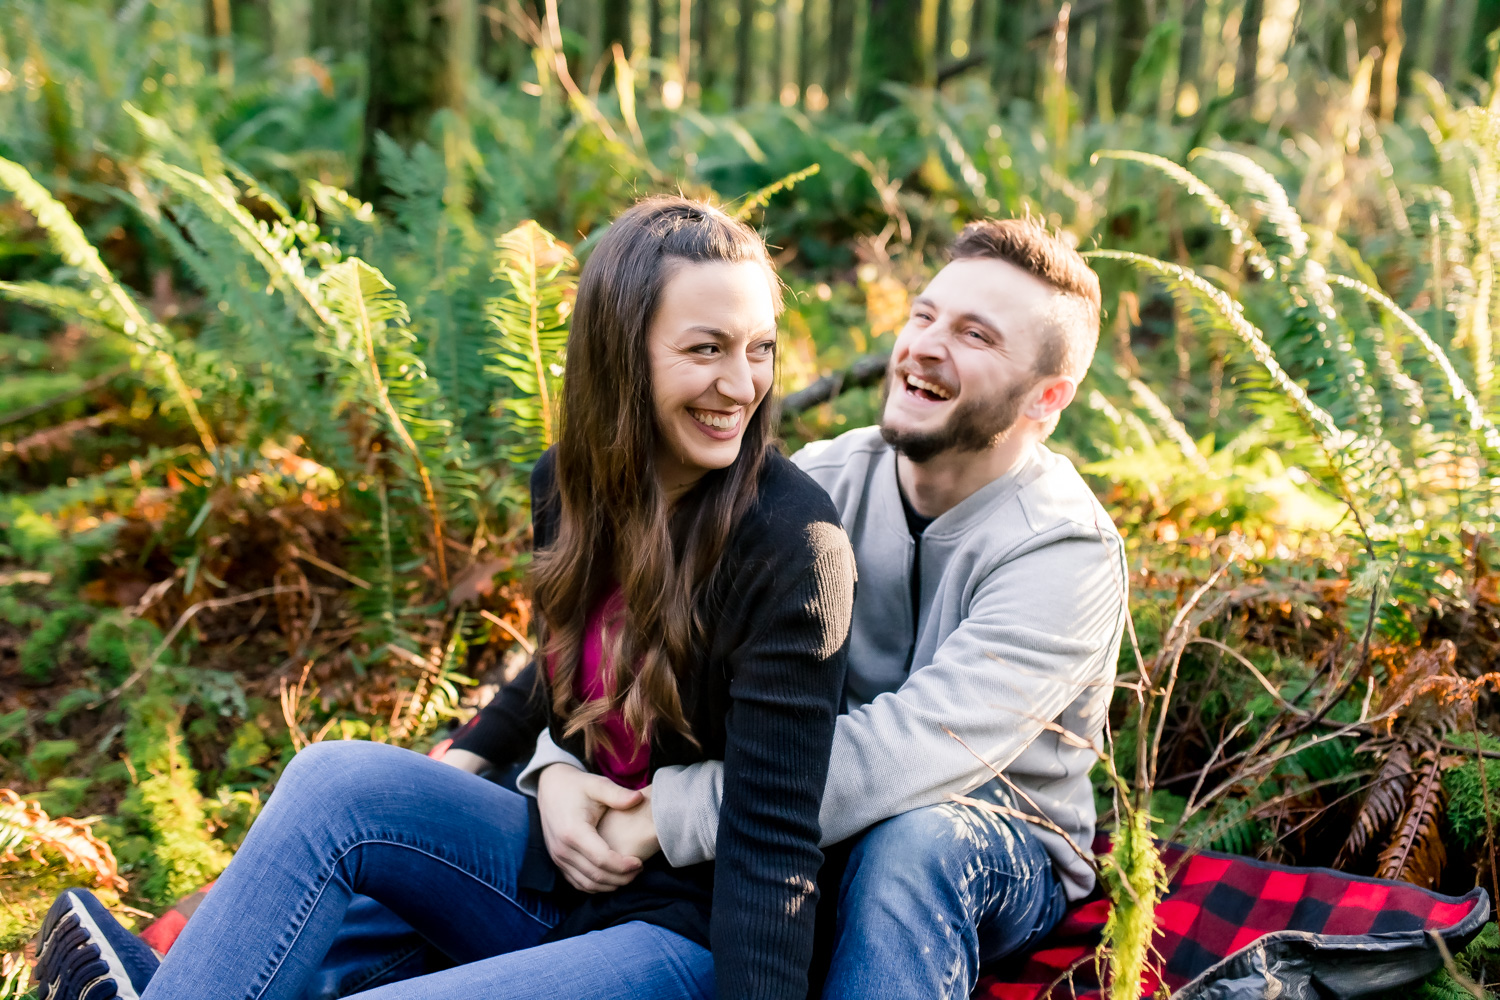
(85, 954)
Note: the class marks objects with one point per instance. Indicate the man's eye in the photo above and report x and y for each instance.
(707, 350)
(976, 334)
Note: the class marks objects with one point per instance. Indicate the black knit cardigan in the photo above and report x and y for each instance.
(764, 702)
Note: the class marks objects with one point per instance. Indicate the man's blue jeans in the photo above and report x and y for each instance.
(932, 894)
(437, 848)
(926, 899)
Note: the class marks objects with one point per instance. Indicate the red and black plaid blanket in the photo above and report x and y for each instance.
(1230, 928)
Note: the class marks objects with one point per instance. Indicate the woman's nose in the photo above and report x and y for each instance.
(736, 382)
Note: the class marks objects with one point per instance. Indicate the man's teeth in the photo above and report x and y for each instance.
(931, 387)
(715, 420)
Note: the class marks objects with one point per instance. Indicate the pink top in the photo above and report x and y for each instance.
(627, 760)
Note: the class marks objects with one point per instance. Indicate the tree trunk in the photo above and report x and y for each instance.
(251, 25)
(614, 23)
(1480, 59)
(784, 42)
(897, 49)
(337, 27)
(420, 54)
(744, 66)
(840, 47)
(653, 29)
(1190, 56)
(220, 22)
(943, 36)
(1245, 77)
(1012, 64)
(805, 49)
(708, 76)
(1128, 28)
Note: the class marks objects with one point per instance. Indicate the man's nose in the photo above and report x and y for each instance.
(925, 342)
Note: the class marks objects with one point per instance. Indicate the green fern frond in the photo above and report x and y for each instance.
(79, 253)
(1233, 315)
(762, 197)
(272, 247)
(530, 324)
(68, 304)
(1291, 243)
(1226, 218)
(1479, 423)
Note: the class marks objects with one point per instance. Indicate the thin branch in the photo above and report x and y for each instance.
(182, 620)
(97, 382)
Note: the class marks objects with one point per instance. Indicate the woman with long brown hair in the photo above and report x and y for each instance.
(694, 592)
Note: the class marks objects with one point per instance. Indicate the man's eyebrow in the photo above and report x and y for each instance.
(978, 320)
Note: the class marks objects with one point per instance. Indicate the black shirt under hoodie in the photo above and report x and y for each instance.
(764, 700)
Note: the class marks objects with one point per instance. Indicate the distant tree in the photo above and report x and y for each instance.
(420, 55)
(706, 25)
(614, 23)
(1246, 72)
(1130, 24)
(744, 65)
(897, 49)
(841, 18)
(1480, 55)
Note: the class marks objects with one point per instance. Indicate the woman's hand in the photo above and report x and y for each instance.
(571, 803)
(631, 831)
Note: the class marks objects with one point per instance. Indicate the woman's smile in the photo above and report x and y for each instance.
(721, 425)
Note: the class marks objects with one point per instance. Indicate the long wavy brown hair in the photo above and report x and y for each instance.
(616, 524)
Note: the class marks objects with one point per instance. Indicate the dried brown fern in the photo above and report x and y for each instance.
(1416, 852)
(1383, 804)
(26, 830)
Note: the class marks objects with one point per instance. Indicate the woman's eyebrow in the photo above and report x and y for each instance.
(716, 332)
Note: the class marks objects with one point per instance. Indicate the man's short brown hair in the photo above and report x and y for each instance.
(1074, 331)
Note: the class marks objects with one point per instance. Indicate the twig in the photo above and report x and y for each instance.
(182, 620)
(1452, 966)
(97, 382)
(506, 627)
(329, 567)
(864, 372)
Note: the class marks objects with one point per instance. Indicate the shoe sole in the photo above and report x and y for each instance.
(54, 928)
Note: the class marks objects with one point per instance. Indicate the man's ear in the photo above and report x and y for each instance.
(1051, 396)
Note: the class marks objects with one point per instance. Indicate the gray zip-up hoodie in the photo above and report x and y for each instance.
(1012, 657)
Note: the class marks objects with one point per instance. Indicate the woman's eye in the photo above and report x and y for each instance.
(707, 350)
(769, 347)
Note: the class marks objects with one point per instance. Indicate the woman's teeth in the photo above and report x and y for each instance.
(717, 421)
(926, 386)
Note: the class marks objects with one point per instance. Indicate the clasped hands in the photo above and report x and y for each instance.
(598, 833)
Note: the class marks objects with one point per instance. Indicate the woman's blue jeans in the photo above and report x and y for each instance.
(439, 848)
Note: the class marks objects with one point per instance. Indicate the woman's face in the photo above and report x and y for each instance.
(712, 346)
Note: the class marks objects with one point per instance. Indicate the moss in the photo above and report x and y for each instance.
(40, 651)
(165, 809)
(1466, 794)
(1134, 878)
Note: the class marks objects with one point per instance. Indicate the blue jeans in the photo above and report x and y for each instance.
(927, 898)
(932, 894)
(437, 848)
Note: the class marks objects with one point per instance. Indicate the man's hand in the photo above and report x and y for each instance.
(572, 802)
(631, 831)
(464, 760)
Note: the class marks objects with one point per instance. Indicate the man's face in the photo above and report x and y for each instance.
(964, 367)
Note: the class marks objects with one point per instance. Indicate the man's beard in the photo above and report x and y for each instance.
(974, 425)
